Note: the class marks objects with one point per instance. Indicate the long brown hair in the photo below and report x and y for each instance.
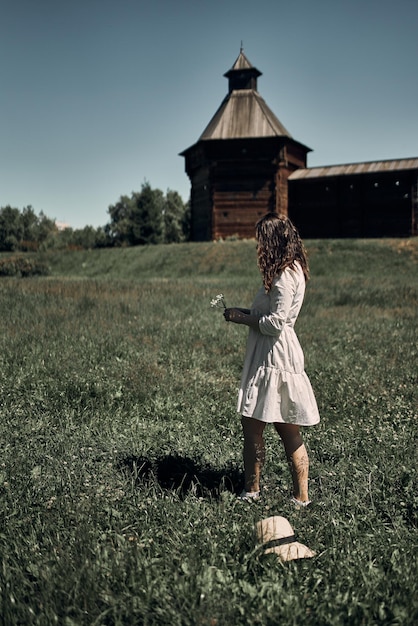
(279, 246)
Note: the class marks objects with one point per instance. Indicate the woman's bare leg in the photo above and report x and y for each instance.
(254, 452)
(297, 457)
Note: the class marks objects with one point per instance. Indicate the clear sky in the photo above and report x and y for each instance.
(99, 96)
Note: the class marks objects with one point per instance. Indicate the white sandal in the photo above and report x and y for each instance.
(300, 503)
(249, 496)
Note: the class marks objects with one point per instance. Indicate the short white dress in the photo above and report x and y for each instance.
(274, 385)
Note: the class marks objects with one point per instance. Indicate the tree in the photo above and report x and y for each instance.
(147, 218)
(40, 231)
(120, 221)
(11, 228)
(137, 220)
(174, 217)
(24, 230)
(30, 224)
(46, 230)
(85, 237)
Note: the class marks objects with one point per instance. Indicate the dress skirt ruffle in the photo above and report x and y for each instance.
(277, 396)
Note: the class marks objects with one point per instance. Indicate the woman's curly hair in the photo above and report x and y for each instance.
(279, 246)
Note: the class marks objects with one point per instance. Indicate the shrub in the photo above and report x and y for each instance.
(21, 266)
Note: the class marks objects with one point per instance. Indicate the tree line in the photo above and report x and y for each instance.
(146, 217)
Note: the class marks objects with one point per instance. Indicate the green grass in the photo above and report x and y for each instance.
(121, 447)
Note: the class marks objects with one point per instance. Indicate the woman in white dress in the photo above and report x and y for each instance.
(274, 386)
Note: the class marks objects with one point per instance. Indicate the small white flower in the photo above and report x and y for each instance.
(218, 301)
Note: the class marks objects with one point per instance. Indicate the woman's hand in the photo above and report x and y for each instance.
(242, 316)
(233, 315)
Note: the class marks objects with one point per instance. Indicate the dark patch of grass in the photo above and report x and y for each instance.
(183, 475)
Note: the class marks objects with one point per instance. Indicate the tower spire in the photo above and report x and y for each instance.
(242, 74)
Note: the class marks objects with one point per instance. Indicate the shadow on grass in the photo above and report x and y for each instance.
(183, 475)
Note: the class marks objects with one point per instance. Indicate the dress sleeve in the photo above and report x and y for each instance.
(281, 297)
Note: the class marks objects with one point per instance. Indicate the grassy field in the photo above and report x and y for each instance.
(121, 447)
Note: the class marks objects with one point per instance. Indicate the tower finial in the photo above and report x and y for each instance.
(242, 46)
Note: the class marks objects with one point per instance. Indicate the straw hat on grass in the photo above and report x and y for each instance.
(276, 536)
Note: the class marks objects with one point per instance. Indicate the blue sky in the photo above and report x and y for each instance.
(99, 96)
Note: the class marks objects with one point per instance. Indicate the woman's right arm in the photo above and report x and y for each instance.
(281, 297)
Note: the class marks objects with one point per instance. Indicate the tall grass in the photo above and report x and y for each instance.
(121, 447)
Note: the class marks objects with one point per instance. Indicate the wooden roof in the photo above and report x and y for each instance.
(370, 167)
(244, 114)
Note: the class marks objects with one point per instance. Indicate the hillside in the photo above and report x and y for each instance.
(231, 258)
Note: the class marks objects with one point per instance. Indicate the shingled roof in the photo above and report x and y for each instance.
(368, 167)
(243, 113)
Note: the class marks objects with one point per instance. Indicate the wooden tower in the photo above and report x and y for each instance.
(239, 167)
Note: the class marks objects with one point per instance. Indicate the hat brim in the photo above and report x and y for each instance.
(291, 551)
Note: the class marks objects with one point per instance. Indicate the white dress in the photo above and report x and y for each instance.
(274, 386)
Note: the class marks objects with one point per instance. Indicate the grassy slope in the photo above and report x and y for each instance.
(211, 259)
(117, 378)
